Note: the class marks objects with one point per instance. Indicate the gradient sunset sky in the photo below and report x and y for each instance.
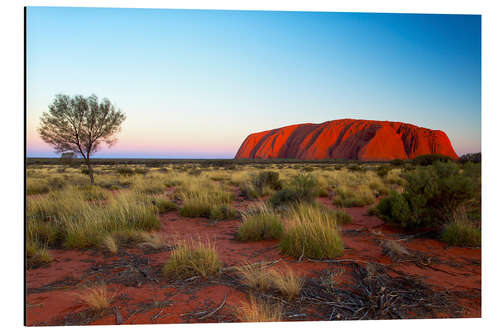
(195, 83)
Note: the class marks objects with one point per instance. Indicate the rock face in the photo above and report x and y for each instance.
(352, 139)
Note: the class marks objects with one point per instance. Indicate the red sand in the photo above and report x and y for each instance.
(364, 140)
(51, 298)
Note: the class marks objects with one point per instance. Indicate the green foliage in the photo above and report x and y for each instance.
(259, 225)
(192, 259)
(311, 233)
(36, 186)
(383, 170)
(303, 188)
(164, 205)
(125, 171)
(460, 231)
(430, 195)
(223, 212)
(397, 162)
(474, 158)
(429, 159)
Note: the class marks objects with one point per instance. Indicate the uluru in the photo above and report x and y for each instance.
(351, 139)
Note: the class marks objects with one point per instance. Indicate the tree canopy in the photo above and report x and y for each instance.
(81, 125)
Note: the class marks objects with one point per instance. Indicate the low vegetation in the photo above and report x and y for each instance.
(461, 231)
(260, 223)
(96, 297)
(311, 233)
(256, 310)
(193, 258)
(430, 194)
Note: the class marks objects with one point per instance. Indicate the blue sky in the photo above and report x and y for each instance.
(194, 84)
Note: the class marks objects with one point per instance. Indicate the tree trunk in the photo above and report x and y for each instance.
(91, 171)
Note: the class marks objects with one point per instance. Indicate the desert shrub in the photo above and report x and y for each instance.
(474, 158)
(307, 169)
(125, 171)
(109, 243)
(36, 255)
(383, 170)
(256, 276)
(223, 212)
(429, 159)
(358, 197)
(191, 258)
(312, 233)
(56, 183)
(287, 282)
(201, 198)
(355, 167)
(261, 184)
(323, 192)
(303, 188)
(397, 162)
(96, 297)
(149, 186)
(36, 186)
(164, 205)
(194, 172)
(430, 195)
(67, 218)
(84, 170)
(93, 193)
(259, 311)
(141, 171)
(460, 231)
(261, 224)
(379, 188)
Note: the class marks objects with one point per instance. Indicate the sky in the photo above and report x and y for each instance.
(196, 83)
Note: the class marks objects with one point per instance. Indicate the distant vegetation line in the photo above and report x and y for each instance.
(152, 162)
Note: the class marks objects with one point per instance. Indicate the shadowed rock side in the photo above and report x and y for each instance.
(364, 140)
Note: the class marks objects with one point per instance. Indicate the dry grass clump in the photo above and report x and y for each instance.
(287, 282)
(256, 310)
(96, 297)
(149, 186)
(394, 248)
(67, 218)
(256, 276)
(36, 186)
(152, 240)
(260, 223)
(311, 233)
(461, 231)
(260, 277)
(191, 258)
(109, 243)
(204, 198)
(354, 197)
(36, 255)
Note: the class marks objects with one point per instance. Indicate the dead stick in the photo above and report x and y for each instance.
(218, 308)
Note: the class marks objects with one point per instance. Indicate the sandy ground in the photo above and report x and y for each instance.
(142, 295)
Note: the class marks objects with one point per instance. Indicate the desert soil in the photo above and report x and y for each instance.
(143, 296)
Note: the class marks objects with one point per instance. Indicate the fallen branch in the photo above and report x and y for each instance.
(215, 311)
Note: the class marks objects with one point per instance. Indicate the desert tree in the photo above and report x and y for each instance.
(81, 125)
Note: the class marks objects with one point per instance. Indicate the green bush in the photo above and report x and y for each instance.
(263, 224)
(461, 231)
(223, 212)
(430, 195)
(383, 170)
(429, 159)
(125, 171)
(303, 188)
(267, 178)
(397, 162)
(164, 205)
